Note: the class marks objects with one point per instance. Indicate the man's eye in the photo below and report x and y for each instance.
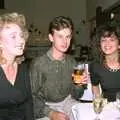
(112, 40)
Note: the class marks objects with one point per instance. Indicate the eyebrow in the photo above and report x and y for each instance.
(13, 33)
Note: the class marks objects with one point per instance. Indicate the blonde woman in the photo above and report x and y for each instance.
(15, 92)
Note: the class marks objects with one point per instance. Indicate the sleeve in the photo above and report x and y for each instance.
(29, 102)
(77, 91)
(94, 76)
(36, 78)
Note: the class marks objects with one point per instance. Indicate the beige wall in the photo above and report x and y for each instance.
(40, 12)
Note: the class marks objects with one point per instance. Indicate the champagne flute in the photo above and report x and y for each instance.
(98, 106)
(118, 100)
(118, 103)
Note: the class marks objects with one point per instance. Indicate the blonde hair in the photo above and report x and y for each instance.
(18, 19)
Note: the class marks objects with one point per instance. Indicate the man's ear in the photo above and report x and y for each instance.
(50, 37)
(119, 47)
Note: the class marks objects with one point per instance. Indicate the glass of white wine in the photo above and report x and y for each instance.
(118, 100)
(98, 106)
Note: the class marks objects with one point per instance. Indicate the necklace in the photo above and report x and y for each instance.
(111, 69)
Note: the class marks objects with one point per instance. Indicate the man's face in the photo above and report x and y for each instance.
(61, 39)
(11, 39)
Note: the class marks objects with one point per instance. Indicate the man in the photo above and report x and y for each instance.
(51, 74)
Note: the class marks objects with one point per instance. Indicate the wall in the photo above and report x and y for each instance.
(40, 12)
(21, 6)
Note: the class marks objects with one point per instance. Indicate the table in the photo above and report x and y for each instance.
(84, 111)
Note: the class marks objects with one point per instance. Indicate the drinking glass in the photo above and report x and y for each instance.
(78, 71)
(98, 106)
(118, 100)
(118, 103)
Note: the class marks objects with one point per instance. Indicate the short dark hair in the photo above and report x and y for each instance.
(60, 22)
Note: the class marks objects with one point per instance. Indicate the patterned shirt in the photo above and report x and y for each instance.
(51, 81)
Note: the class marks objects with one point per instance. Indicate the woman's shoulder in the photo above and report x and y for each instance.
(95, 65)
(23, 66)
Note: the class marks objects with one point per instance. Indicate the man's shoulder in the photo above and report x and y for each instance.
(95, 63)
(40, 60)
(70, 56)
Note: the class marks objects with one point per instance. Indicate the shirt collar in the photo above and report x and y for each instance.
(49, 54)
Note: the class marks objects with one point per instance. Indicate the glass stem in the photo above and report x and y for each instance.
(97, 117)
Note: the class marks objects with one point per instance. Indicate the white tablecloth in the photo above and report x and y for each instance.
(84, 111)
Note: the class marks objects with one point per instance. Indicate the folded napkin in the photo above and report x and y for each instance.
(88, 96)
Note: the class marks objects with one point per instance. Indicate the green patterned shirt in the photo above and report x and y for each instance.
(51, 81)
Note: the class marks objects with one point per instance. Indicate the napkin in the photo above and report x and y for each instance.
(88, 96)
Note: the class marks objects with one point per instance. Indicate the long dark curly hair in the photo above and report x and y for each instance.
(103, 31)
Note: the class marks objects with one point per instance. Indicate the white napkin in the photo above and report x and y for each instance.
(87, 93)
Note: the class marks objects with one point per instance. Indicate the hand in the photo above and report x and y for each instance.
(54, 115)
(84, 77)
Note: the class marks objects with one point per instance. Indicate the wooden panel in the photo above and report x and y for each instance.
(2, 4)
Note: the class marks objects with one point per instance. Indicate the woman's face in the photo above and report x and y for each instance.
(109, 45)
(11, 40)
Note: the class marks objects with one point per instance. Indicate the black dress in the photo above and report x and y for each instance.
(16, 100)
(109, 81)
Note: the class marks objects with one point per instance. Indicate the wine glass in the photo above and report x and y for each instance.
(78, 71)
(98, 106)
(118, 100)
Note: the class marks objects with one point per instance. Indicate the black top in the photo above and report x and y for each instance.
(109, 80)
(16, 100)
